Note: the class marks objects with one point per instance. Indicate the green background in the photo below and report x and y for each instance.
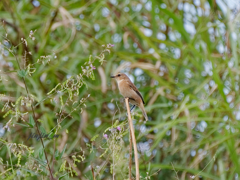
(183, 57)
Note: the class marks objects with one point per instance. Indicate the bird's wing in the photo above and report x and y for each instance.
(131, 85)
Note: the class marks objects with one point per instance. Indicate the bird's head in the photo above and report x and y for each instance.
(120, 76)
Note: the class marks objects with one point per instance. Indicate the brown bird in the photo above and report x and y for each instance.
(129, 90)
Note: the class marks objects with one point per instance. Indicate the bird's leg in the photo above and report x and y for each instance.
(132, 108)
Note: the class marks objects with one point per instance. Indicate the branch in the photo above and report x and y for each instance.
(34, 116)
(133, 140)
(130, 155)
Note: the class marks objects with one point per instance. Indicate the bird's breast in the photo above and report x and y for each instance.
(128, 92)
(123, 88)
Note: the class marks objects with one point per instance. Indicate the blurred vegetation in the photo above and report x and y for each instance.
(183, 57)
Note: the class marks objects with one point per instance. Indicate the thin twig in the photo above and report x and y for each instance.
(36, 125)
(194, 176)
(175, 171)
(93, 172)
(130, 155)
(133, 140)
(34, 115)
(53, 157)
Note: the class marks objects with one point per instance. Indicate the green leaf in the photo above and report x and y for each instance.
(43, 130)
(85, 84)
(63, 176)
(63, 151)
(94, 137)
(41, 155)
(219, 82)
(22, 73)
(92, 76)
(24, 125)
(51, 134)
(42, 162)
(56, 155)
(31, 121)
(32, 172)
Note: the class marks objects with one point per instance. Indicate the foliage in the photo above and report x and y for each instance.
(56, 58)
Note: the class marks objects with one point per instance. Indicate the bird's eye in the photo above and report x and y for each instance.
(118, 74)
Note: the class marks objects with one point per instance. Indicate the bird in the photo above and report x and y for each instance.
(129, 90)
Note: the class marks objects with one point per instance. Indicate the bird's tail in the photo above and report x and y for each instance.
(143, 111)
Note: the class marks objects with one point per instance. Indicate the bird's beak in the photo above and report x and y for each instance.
(112, 76)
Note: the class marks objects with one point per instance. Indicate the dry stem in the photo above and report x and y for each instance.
(130, 155)
(133, 139)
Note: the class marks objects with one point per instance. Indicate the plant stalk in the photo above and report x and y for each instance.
(133, 139)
